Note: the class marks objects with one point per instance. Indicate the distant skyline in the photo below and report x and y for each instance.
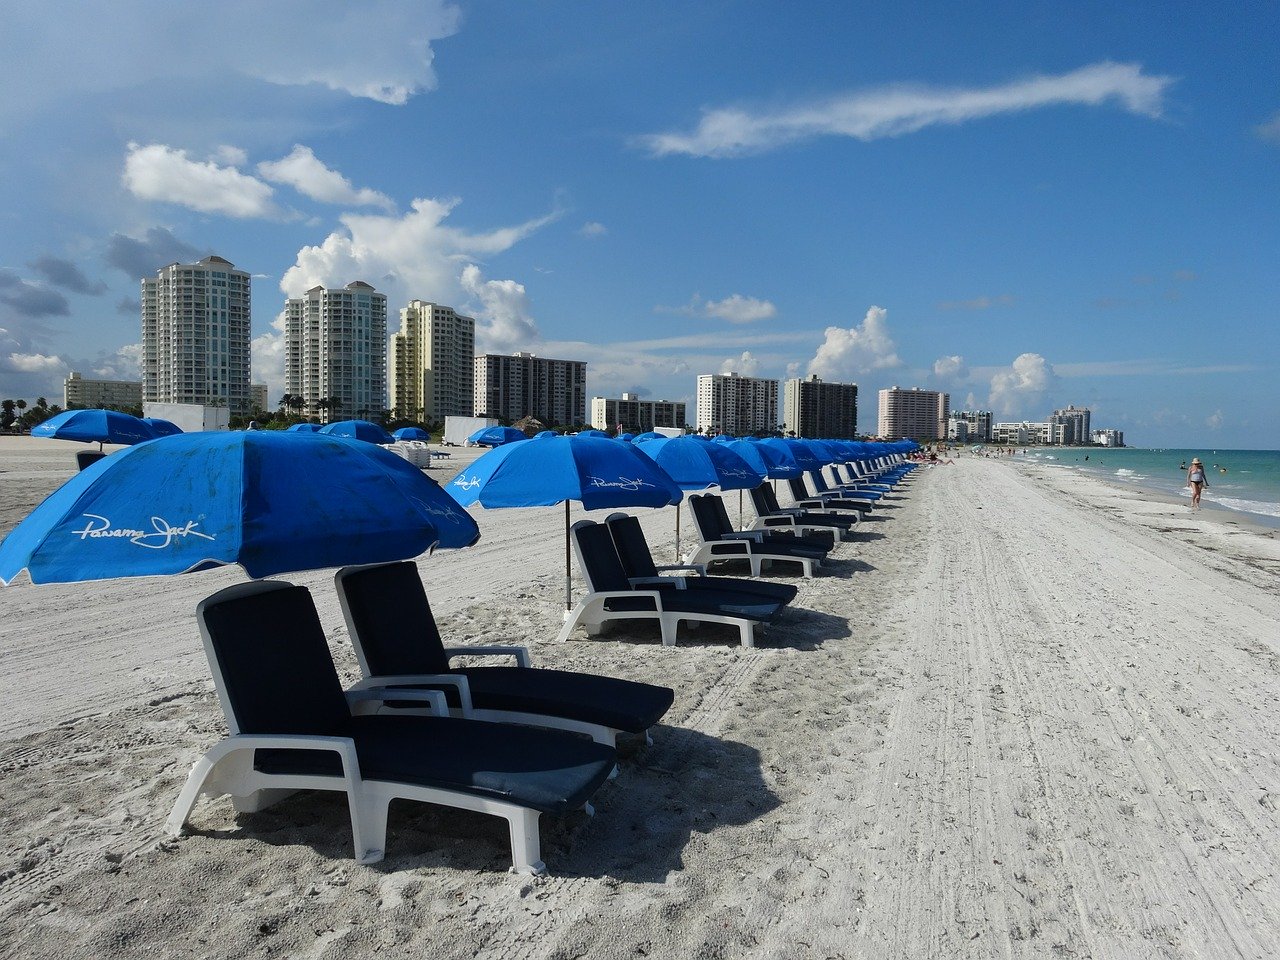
(1024, 205)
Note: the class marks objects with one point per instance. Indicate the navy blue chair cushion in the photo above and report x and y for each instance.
(621, 704)
(393, 620)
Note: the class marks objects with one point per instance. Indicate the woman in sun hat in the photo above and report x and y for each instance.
(1196, 481)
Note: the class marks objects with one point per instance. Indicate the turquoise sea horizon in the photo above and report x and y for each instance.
(1247, 481)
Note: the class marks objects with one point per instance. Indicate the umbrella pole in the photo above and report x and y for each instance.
(740, 526)
(677, 533)
(568, 574)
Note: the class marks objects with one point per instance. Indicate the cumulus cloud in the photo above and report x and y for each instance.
(305, 173)
(36, 363)
(592, 230)
(160, 172)
(746, 365)
(897, 110)
(381, 52)
(1023, 382)
(68, 276)
(977, 303)
(267, 359)
(505, 320)
(29, 300)
(740, 309)
(846, 353)
(1214, 420)
(950, 369)
(143, 257)
(124, 364)
(1270, 129)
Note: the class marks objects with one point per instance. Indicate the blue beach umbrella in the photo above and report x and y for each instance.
(95, 426)
(270, 502)
(597, 472)
(303, 428)
(357, 430)
(161, 427)
(625, 437)
(592, 433)
(724, 438)
(698, 465)
(496, 436)
(411, 433)
(544, 434)
(646, 437)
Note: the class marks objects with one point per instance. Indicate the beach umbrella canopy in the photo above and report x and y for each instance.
(767, 459)
(592, 433)
(496, 436)
(357, 430)
(646, 436)
(270, 502)
(161, 427)
(597, 472)
(625, 437)
(411, 433)
(698, 465)
(95, 426)
(304, 428)
(724, 438)
(793, 454)
(543, 434)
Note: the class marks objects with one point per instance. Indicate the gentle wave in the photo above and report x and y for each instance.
(1122, 472)
(1249, 506)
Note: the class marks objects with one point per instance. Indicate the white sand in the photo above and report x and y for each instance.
(1023, 719)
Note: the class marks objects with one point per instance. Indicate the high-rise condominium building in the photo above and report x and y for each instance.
(729, 403)
(100, 394)
(195, 335)
(636, 415)
(258, 397)
(814, 409)
(1075, 424)
(520, 385)
(433, 363)
(969, 426)
(335, 351)
(915, 414)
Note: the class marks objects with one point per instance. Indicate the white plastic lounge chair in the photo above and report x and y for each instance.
(758, 547)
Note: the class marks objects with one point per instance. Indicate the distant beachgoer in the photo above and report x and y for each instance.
(1196, 481)
(1182, 465)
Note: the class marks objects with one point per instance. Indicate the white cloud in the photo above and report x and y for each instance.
(306, 174)
(380, 52)
(1214, 420)
(1023, 382)
(36, 363)
(505, 320)
(160, 172)
(124, 364)
(740, 309)
(746, 365)
(1270, 130)
(897, 110)
(591, 230)
(844, 354)
(950, 369)
(267, 352)
(230, 156)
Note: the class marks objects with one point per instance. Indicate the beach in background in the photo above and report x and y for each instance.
(1022, 717)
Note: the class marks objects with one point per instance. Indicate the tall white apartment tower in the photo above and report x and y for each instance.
(195, 335)
(520, 385)
(432, 363)
(916, 414)
(1075, 423)
(335, 351)
(729, 403)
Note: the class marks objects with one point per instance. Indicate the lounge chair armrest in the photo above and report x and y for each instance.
(380, 694)
(344, 747)
(654, 595)
(755, 536)
(657, 581)
(700, 569)
(520, 653)
(777, 520)
(455, 680)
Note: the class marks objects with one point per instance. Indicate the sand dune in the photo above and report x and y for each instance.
(1020, 719)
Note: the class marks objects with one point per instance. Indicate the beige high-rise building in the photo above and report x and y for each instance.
(815, 410)
(636, 415)
(913, 414)
(432, 363)
(513, 387)
(100, 394)
(737, 405)
(195, 335)
(335, 351)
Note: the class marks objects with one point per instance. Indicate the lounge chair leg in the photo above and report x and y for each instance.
(588, 809)
(259, 800)
(748, 635)
(668, 624)
(648, 740)
(613, 774)
(187, 798)
(369, 824)
(526, 845)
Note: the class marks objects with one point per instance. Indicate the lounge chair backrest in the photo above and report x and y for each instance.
(798, 490)
(390, 621)
(633, 548)
(598, 557)
(819, 481)
(271, 662)
(760, 502)
(769, 498)
(720, 513)
(87, 458)
(704, 515)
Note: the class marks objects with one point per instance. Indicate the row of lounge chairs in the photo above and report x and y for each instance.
(509, 741)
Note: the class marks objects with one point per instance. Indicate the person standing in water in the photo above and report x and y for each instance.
(1196, 481)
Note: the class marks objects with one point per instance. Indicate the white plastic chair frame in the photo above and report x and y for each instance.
(590, 612)
(227, 768)
(704, 553)
(598, 732)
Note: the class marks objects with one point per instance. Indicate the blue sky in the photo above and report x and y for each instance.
(1025, 204)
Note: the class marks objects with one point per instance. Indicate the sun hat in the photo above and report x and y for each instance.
(1195, 459)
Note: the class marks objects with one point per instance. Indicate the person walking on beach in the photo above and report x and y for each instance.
(1196, 481)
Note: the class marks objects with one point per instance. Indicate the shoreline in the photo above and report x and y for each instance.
(1018, 719)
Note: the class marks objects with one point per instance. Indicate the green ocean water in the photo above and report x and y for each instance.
(1244, 480)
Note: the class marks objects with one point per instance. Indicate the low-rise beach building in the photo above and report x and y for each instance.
(1108, 438)
(813, 408)
(195, 335)
(520, 385)
(737, 405)
(629, 413)
(914, 414)
(77, 391)
(335, 351)
(432, 363)
(969, 426)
